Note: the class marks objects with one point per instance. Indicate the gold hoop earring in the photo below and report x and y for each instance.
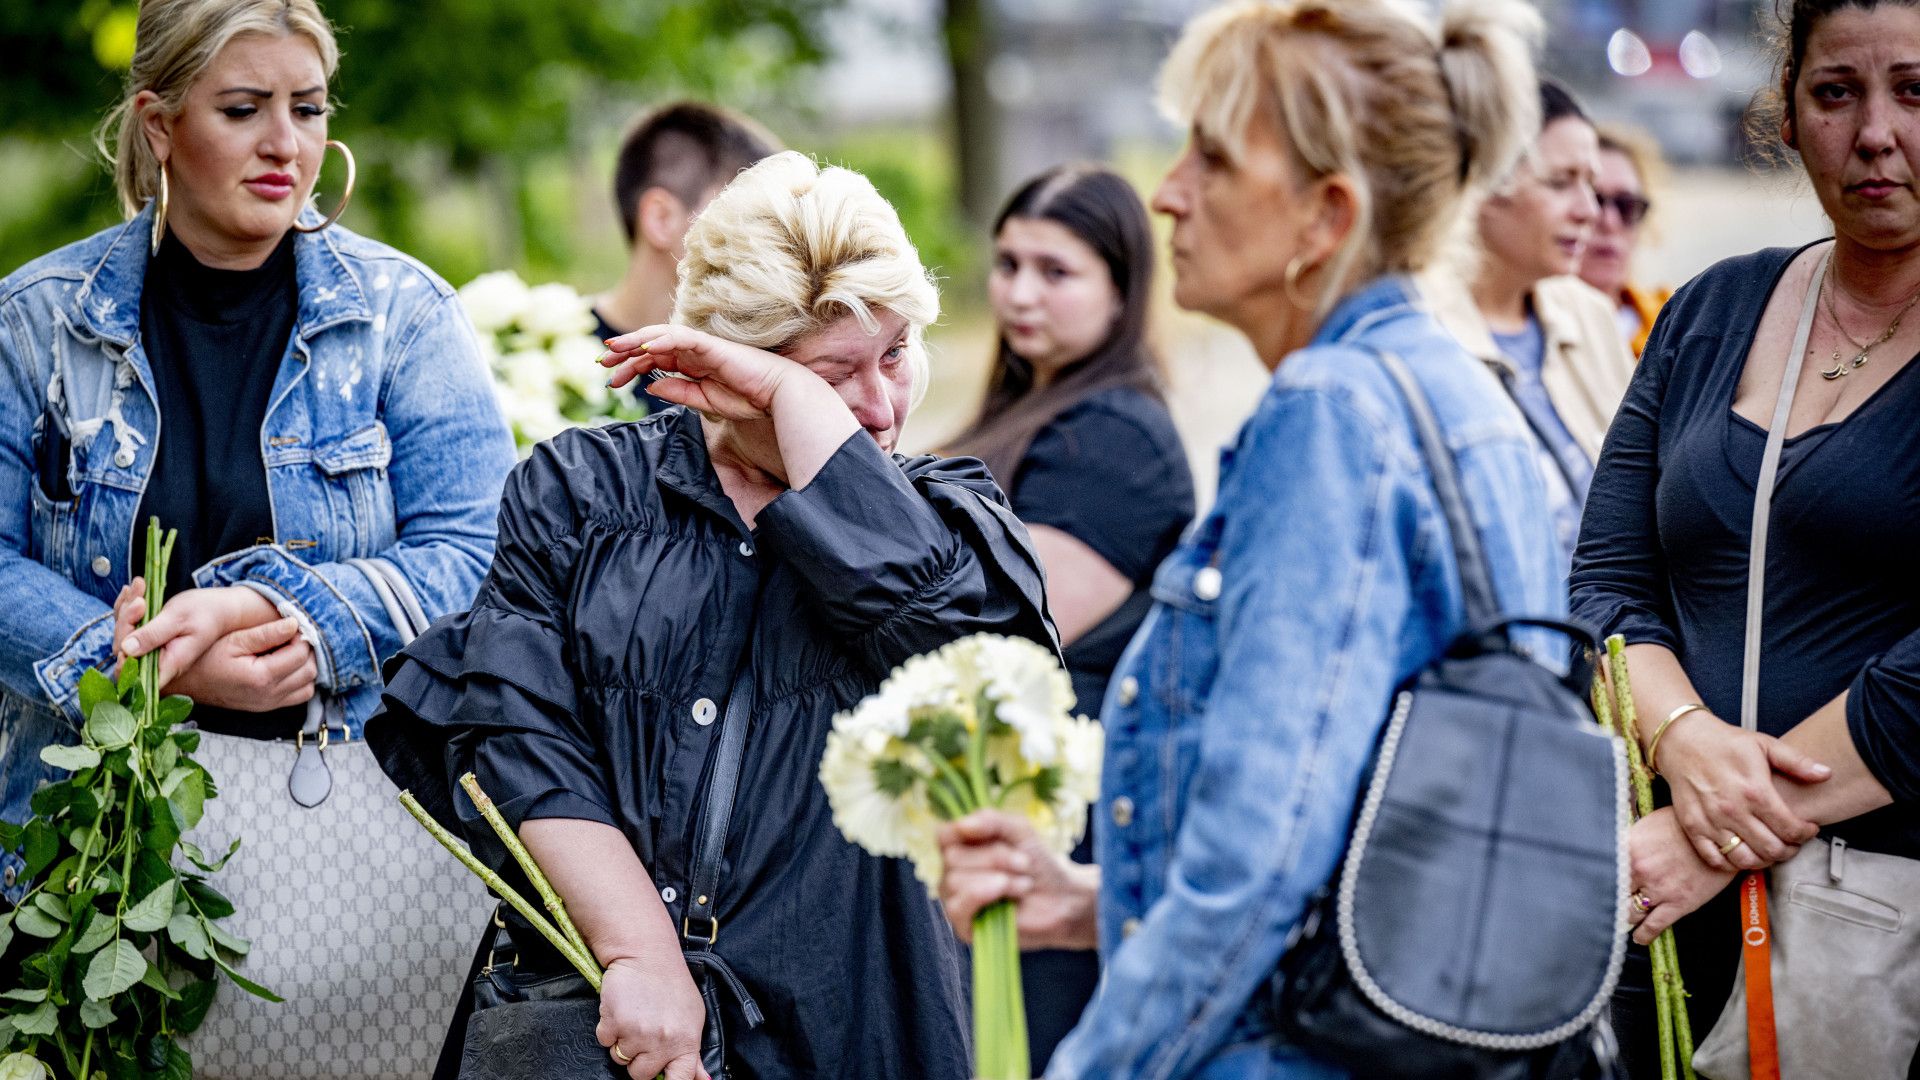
(160, 211)
(1297, 268)
(345, 196)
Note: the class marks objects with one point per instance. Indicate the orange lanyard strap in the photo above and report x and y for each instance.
(1756, 949)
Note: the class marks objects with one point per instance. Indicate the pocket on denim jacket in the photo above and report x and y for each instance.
(52, 531)
(359, 512)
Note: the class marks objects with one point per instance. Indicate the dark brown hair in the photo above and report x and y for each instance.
(1101, 208)
(1794, 22)
(688, 148)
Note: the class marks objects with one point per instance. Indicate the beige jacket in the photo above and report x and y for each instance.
(1586, 364)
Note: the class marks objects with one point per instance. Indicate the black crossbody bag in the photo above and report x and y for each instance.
(517, 1025)
(1476, 926)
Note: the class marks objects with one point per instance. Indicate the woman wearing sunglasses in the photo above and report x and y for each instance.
(1629, 162)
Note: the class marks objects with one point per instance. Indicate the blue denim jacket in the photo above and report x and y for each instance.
(1243, 715)
(382, 439)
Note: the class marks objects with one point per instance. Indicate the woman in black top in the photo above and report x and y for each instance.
(1664, 547)
(759, 558)
(1075, 427)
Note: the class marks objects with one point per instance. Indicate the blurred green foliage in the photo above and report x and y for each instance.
(484, 129)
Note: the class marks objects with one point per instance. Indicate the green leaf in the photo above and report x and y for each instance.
(179, 1064)
(94, 689)
(153, 911)
(209, 899)
(52, 800)
(113, 970)
(98, 932)
(42, 1020)
(158, 983)
(110, 726)
(129, 677)
(70, 758)
(164, 832)
(41, 847)
(22, 1066)
(894, 778)
(52, 906)
(235, 945)
(195, 998)
(88, 841)
(31, 997)
(173, 709)
(188, 741)
(33, 922)
(186, 932)
(190, 798)
(249, 985)
(6, 939)
(173, 778)
(165, 756)
(10, 835)
(199, 857)
(96, 1014)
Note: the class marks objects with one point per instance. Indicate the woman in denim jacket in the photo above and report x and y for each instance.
(1242, 717)
(290, 394)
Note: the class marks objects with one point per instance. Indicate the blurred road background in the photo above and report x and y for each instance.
(485, 131)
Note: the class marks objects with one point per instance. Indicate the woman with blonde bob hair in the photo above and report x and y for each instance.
(309, 410)
(759, 558)
(1334, 149)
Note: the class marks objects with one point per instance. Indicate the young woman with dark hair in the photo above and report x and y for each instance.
(1075, 428)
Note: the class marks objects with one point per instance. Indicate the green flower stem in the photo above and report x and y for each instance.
(962, 792)
(521, 855)
(999, 1012)
(1612, 683)
(582, 962)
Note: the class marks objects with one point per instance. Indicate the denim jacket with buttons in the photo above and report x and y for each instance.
(1242, 717)
(382, 439)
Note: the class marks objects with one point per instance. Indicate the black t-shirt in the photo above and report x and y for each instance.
(1664, 544)
(215, 340)
(1111, 473)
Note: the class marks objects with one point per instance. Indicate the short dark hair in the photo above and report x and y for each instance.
(686, 147)
(1558, 103)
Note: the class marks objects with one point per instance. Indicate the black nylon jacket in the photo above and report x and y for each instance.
(585, 681)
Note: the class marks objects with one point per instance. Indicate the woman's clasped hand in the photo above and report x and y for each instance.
(991, 856)
(221, 646)
(1721, 778)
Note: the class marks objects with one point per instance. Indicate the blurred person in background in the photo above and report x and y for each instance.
(1630, 168)
(1076, 428)
(1553, 340)
(1334, 147)
(672, 162)
(1664, 555)
(760, 556)
(288, 395)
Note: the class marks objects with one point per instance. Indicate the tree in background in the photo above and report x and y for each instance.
(505, 93)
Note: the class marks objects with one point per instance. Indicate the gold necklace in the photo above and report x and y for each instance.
(1845, 367)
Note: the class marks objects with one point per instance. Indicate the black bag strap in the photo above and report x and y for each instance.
(1476, 580)
(699, 927)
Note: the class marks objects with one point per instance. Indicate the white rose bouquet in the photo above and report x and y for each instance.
(985, 721)
(540, 349)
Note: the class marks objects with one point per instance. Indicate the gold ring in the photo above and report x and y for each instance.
(624, 1059)
(1642, 901)
(1733, 841)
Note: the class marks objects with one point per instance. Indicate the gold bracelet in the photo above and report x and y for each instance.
(1653, 747)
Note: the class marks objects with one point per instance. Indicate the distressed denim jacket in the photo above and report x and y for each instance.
(382, 439)
(1242, 716)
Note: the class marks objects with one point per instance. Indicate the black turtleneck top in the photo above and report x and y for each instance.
(215, 340)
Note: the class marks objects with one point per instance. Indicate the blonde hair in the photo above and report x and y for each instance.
(789, 247)
(174, 42)
(1421, 120)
